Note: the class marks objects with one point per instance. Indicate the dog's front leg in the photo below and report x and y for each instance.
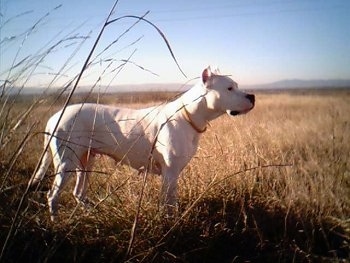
(169, 191)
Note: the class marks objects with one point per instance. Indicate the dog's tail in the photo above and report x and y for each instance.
(44, 165)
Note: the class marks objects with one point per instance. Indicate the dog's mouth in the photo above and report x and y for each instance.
(235, 113)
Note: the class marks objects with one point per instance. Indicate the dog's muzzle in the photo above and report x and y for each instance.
(251, 98)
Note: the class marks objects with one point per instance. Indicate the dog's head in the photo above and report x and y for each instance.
(223, 94)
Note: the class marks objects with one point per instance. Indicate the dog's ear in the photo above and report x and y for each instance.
(206, 75)
(216, 70)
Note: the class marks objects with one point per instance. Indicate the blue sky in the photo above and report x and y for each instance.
(256, 41)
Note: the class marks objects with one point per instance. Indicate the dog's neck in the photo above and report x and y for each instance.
(189, 118)
(194, 108)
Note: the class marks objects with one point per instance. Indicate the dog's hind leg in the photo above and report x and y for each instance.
(44, 165)
(82, 181)
(64, 164)
(60, 180)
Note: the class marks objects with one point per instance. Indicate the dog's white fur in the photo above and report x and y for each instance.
(162, 139)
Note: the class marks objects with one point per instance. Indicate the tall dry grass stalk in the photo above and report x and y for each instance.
(25, 69)
(271, 185)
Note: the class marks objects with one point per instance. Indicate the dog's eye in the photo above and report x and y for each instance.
(230, 88)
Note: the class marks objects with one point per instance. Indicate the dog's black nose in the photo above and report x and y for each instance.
(251, 98)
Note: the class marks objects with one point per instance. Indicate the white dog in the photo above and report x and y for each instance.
(162, 139)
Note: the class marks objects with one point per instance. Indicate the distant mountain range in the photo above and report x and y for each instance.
(302, 84)
(283, 84)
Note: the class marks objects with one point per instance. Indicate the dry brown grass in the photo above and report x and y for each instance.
(235, 202)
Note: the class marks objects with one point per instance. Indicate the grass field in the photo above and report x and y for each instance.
(269, 186)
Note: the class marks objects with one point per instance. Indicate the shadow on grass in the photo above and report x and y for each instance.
(215, 231)
(247, 231)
